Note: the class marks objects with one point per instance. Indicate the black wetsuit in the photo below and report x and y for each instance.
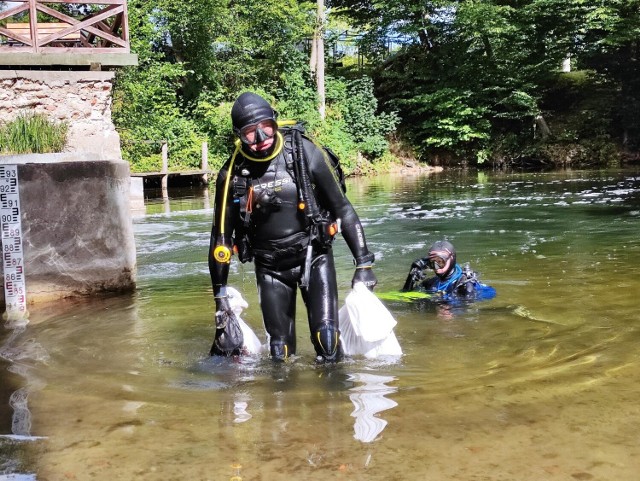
(260, 215)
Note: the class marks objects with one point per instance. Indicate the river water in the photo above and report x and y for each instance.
(540, 383)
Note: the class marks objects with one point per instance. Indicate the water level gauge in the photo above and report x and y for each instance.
(15, 292)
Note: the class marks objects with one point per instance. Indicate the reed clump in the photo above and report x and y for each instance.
(32, 133)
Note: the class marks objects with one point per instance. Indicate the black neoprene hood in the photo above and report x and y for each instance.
(440, 246)
(250, 108)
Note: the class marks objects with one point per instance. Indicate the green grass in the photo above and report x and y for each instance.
(32, 134)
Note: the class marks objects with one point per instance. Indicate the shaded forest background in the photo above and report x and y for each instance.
(523, 83)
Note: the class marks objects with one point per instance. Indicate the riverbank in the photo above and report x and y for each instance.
(401, 165)
(411, 167)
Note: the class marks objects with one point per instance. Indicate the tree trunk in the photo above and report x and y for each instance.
(319, 57)
(313, 60)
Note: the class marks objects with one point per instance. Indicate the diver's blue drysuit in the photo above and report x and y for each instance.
(451, 281)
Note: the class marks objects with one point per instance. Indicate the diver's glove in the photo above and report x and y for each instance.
(415, 274)
(223, 311)
(411, 283)
(420, 264)
(364, 272)
(228, 340)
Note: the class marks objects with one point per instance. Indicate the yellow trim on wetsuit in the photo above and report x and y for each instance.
(286, 123)
(226, 189)
(238, 143)
(335, 346)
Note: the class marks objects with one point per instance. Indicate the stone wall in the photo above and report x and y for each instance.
(81, 98)
(77, 233)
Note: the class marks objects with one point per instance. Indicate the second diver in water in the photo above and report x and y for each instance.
(450, 280)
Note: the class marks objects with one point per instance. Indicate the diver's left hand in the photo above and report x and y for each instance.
(365, 275)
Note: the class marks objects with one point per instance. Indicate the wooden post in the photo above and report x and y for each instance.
(207, 200)
(165, 168)
(542, 125)
(33, 25)
(204, 165)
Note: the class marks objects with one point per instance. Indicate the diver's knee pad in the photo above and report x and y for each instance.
(326, 341)
(279, 350)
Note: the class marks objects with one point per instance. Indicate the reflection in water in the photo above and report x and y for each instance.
(240, 405)
(196, 197)
(369, 399)
(21, 354)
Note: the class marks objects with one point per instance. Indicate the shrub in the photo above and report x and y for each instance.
(367, 128)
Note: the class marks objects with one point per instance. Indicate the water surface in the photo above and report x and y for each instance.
(539, 383)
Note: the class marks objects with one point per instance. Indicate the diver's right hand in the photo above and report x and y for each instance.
(420, 264)
(229, 339)
(365, 275)
(223, 311)
(415, 273)
(413, 278)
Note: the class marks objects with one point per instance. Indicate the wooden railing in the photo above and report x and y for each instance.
(202, 174)
(103, 30)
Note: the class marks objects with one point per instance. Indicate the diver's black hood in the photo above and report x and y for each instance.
(249, 109)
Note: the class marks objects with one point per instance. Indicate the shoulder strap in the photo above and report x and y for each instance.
(298, 165)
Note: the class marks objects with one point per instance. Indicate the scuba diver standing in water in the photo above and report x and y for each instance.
(280, 201)
(450, 281)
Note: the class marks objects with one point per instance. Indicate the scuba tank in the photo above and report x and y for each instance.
(322, 228)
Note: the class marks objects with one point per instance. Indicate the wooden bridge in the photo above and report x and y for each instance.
(95, 29)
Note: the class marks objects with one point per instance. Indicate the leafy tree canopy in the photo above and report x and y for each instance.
(474, 71)
(470, 79)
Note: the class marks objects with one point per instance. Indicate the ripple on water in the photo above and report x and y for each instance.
(547, 371)
(166, 270)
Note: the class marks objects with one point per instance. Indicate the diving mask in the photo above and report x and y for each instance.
(437, 263)
(258, 132)
(440, 261)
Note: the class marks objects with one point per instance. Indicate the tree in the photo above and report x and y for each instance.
(474, 72)
(197, 54)
(610, 46)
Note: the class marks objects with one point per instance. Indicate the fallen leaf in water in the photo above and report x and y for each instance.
(476, 449)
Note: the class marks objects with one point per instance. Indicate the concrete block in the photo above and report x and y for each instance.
(137, 197)
(77, 232)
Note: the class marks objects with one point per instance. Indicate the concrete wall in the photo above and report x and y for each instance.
(76, 223)
(81, 98)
